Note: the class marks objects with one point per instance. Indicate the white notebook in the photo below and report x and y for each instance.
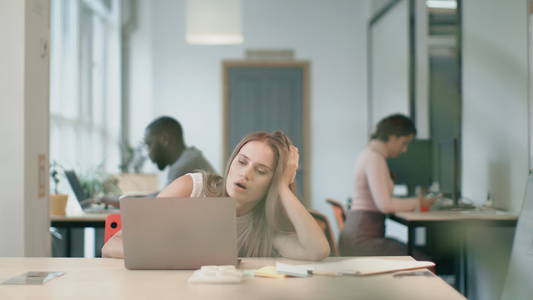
(354, 266)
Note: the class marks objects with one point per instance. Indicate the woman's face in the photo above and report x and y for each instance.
(397, 145)
(250, 174)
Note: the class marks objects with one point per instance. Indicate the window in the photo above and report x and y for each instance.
(85, 84)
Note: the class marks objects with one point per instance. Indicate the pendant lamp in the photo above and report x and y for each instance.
(213, 22)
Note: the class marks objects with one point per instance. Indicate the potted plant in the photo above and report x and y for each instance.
(58, 201)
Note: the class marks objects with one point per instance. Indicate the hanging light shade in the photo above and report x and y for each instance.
(214, 22)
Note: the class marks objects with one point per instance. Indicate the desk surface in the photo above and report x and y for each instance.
(104, 278)
(456, 222)
(79, 218)
(456, 215)
(78, 221)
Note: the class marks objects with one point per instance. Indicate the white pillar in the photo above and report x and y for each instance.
(24, 128)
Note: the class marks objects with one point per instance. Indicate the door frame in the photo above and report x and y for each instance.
(305, 66)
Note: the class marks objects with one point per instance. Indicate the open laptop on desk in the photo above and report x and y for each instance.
(448, 204)
(82, 197)
(178, 233)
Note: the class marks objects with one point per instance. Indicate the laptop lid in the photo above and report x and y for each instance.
(178, 233)
(77, 188)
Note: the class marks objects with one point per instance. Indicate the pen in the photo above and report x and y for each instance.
(325, 273)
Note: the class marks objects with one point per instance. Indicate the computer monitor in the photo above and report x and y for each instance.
(448, 167)
(413, 168)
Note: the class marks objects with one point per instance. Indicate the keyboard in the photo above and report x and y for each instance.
(447, 204)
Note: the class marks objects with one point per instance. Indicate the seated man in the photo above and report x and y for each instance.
(166, 147)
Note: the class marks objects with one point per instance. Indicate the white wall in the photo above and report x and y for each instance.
(186, 79)
(495, 101)
(138, 25)
(495, 129)
(24, 123)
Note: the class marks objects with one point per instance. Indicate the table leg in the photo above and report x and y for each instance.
(411, 236)
(459, 259)
(68, 241)
(462, 283)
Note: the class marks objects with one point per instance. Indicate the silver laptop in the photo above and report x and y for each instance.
(82, 197)
(178, 233)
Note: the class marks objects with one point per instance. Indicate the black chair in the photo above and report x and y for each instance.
(338, 211)
(323, 222)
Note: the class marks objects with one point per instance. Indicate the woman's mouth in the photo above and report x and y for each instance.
(240, 185)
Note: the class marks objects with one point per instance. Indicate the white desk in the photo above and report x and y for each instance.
(79, 221)
(84, 220)
(104, 278)
(455, 222)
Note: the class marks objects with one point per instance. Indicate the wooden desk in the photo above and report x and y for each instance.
(104, 278)
(455, 222)
(79, 221)
(86, 220)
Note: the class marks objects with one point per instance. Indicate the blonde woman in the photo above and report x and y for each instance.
(271, 221)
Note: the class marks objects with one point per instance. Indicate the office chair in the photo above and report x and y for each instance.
(112, 226)
(323, 222)
(338, 211)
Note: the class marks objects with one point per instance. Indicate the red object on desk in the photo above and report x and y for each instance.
(112, 225)
(424, 208)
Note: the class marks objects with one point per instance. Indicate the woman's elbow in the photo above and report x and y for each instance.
(320, 252)
(385, 209)
(324, 252)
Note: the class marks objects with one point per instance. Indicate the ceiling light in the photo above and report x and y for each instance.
(446, 4)
(213, 22)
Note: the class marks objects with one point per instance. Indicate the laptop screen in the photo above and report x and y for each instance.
(77, 188)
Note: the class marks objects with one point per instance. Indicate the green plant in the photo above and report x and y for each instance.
(55, 169)
(127, 153)
(132, 158)
(97, 182)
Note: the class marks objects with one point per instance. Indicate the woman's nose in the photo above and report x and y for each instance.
(246, 173)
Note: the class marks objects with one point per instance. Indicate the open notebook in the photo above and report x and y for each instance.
(353, 266)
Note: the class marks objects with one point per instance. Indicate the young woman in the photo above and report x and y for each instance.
(271, 221)
(364, 230)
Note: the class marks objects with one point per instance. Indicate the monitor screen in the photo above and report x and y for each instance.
(447, 168)
(413, 168)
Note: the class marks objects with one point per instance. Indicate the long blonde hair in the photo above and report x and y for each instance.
(269, 215)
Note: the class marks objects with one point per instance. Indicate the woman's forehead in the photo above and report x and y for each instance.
(259, 152)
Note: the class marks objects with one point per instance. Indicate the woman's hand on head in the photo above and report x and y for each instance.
(291, 168)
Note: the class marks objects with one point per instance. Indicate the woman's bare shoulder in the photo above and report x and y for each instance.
(181, 187)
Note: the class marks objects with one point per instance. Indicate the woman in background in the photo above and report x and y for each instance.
(271, 221)
(363, 233)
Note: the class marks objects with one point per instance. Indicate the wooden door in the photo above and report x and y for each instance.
(268, 96)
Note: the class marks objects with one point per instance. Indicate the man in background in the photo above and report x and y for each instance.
(166, 147)
(164, 139)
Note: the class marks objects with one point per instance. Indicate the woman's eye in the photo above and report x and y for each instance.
(240, 162)
(261, 172)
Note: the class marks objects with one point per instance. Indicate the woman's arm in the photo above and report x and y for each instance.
(181, 187)
(113, 248)
(309, 242)
(379, 181)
